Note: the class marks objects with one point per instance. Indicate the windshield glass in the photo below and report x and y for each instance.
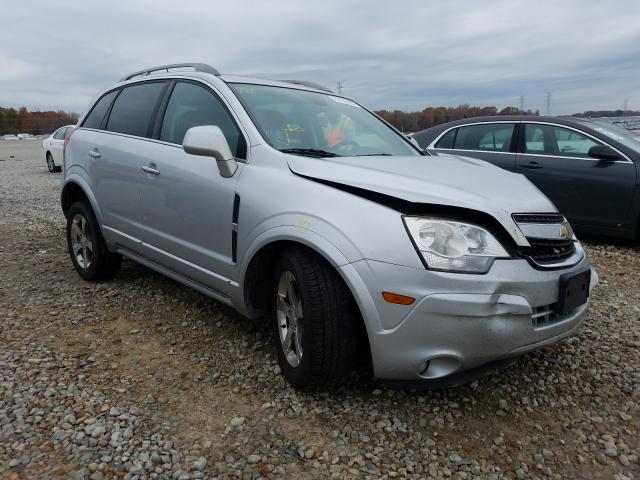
(617, 133)
(317, 124)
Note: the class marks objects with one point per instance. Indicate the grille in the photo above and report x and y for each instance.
(548, 251)
(537, 218)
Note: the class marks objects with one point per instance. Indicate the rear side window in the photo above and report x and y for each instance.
(134, 108)
(493, 137)
(95, 117)
(191, 105)
(447, 139)
(59, 135)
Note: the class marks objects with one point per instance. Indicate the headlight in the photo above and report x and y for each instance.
(454, 246)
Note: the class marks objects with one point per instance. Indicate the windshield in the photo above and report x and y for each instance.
(317, 124)
(617, 133)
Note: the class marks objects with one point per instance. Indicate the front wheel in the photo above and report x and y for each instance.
(315, 320)
(87, 248)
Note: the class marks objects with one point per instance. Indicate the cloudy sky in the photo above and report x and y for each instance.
(404, 55)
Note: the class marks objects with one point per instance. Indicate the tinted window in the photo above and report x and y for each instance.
(551, 140)
(94, 119)
(494, 137)
(447, 139)
(59, 135)
(191, 105)
(133, 109)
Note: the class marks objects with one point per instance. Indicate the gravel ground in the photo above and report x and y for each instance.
(141, 377)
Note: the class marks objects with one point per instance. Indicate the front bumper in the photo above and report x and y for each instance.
(459, 321)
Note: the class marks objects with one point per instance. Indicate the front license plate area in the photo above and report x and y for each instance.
(574, 291)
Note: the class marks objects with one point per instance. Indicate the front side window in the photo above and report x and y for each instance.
(96, 116)
(318, 124)
(133, 110)
(494, 137)
(558, 141)
(191, 105)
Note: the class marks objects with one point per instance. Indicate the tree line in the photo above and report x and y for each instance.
(14, 121)
(431, 116)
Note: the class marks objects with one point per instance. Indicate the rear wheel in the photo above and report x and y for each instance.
(50, 163)
(87, 248)
(314, 319)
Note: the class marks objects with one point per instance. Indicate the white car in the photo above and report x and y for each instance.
(10, 137)
(25, 136)
(52, 148)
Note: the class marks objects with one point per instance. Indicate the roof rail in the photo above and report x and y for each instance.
(317, 86)
(198, 67)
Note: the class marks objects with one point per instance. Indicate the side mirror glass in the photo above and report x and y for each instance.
(604, 153)
(209, 141)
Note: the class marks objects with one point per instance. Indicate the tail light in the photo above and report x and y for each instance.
(67, 137)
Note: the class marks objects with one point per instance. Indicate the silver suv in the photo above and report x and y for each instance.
(289, 202)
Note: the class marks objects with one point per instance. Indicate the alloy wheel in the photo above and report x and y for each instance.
(290, 318)
(81, 242)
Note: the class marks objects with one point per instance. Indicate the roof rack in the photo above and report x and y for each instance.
(317, 86)
(198, 67)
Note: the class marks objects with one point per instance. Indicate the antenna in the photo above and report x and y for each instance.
(548, 104)
(339, 86)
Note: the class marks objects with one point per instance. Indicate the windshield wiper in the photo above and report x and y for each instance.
(374, 155)
(310, 152)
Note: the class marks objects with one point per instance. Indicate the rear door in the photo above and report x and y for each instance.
(187, 206)
(587, 191)
(118, 152)
(492, 142)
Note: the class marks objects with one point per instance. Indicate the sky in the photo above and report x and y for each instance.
(389, 55)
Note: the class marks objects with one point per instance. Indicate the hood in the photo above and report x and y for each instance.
(448, 180)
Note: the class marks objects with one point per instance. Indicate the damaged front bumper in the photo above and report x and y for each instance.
(459, 322)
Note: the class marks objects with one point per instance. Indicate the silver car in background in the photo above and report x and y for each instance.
(288, 202)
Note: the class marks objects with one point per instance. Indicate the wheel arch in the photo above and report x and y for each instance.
(260, 264)
(74, 190)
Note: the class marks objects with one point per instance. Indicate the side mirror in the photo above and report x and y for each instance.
(603, 152)
(209, 141)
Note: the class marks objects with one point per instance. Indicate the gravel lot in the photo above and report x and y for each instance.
(141, 377)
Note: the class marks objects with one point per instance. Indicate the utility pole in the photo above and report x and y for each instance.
(626, 105)
(339, 86)
(521, 103)
(548, 113)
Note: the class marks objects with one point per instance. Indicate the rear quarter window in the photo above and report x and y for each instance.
(135, 108)
(97, 113)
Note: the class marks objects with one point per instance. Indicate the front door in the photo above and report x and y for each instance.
(187, 206)
(587, 191)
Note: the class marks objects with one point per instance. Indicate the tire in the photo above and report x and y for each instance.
(50, 163)
(322, 347)
(87, 248)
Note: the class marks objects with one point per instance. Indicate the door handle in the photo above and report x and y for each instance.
(151, 168)
(94, 153)
(532, 165)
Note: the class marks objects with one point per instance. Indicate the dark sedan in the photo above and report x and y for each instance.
(588, 167)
